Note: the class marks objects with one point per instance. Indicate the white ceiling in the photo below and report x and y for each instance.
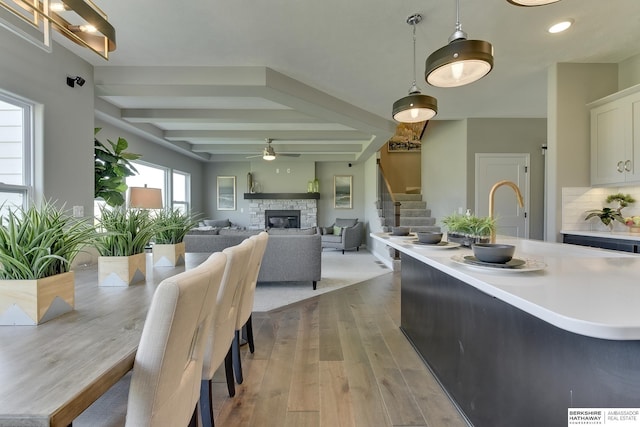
(215, 78)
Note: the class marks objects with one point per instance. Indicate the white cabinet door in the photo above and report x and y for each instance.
(608, 142)
(633, 149)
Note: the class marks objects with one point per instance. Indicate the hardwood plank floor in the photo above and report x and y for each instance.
(336, 360)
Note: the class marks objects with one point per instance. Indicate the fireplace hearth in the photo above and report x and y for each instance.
(282, 218)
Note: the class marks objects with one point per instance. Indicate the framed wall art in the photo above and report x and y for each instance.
(226, 190)
(342, 191)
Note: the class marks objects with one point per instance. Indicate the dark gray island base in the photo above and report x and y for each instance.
(505, 367)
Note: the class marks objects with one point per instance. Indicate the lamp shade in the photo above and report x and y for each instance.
(530, 3)
(415, 108)
(145, 198)
(459, 63)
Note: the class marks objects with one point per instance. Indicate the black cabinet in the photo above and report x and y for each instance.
(603, 243)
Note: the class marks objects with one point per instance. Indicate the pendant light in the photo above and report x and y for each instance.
(416, 107)
(460, 62)
(531, 3)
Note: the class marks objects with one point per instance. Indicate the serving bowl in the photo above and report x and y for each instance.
(400, 231)
(429, 237)
(493, 252)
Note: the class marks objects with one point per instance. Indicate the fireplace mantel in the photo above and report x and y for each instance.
(282, 196)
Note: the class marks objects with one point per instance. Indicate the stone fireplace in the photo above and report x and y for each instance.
(306, 209)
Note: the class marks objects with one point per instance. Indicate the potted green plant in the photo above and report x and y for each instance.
(112, 167)
(468, 229)
(124, 235)
(37, 246)
(608, 215)
(168, 247)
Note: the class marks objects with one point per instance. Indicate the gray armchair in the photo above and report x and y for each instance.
(349, 236)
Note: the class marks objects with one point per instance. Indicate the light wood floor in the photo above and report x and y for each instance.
(339, 359)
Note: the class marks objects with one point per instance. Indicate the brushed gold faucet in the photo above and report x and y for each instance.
(491, 195)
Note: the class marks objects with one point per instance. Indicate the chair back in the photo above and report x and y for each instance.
(224, 322)
(165, 385)
(251, 279)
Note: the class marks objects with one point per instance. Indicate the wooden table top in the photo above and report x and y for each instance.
(50, 373)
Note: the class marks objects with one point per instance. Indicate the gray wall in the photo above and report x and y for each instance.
(291, 178)
(629, 72)
(511, 136)
(571, 87)
(444, 168)
(64, 135)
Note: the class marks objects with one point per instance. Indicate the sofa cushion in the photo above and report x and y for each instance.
(337, 231)
(204, 230)
(346, 222)
(218, 223)
(289, 231)
(235, 232)
(330, 238)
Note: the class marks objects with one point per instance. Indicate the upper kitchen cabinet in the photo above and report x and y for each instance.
(615, 139)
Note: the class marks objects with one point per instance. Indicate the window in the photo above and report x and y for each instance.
(181, 187)
(179, 184)
(15, 151)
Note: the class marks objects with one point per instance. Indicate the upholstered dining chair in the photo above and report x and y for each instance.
(165, 381)
(218, 346)
(245, 307)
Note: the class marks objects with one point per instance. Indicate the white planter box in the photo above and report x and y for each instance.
(32, 302)
(121, 270)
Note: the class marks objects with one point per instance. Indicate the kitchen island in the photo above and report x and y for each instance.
(519, 348)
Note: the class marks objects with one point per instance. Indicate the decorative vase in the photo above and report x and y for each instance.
(121, 270)
(310, 187)
(169, 255)
(316, 186)
(634, 228)
(32, 302)
(249, 183)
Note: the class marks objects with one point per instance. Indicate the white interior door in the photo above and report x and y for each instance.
(511, 219)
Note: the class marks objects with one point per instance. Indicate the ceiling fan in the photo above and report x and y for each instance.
(269, 154)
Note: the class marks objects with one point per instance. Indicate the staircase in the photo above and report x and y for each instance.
(413, 213)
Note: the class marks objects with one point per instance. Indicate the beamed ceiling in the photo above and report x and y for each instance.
(213, 79)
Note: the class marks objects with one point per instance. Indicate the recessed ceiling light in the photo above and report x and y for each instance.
(529, 3)
(560, 26)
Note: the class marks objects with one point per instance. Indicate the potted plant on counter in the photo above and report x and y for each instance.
(37, 246)
(468, 229)
(168, 247)
(608, 215)
(124, 235)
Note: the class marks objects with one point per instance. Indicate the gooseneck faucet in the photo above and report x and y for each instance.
(491, 195)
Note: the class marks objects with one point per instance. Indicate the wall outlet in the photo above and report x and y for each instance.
(78, 211)
(288, 170)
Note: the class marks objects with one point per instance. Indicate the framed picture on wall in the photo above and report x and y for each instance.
(226, 193)
(342, 191)
(408, 138)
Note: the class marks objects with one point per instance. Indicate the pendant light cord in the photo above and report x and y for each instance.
(414, 54)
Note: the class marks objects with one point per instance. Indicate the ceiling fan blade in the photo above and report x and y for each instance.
(287, 155)
(251, 157)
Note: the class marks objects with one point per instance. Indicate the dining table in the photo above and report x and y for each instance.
(52, 372)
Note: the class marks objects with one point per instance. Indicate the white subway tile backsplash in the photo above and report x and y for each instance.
(576, 201)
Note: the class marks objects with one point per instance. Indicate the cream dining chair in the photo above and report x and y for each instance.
(245, 307)
(165, 381)
(218, 346)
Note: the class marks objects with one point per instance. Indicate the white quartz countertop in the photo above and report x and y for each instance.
(621, 235)
(587, 291)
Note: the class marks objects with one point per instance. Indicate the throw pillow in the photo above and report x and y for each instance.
(337, 230)
(327, 230)
(346, 222)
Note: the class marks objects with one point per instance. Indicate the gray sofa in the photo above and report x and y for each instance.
(291, 255)
(350, 236)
